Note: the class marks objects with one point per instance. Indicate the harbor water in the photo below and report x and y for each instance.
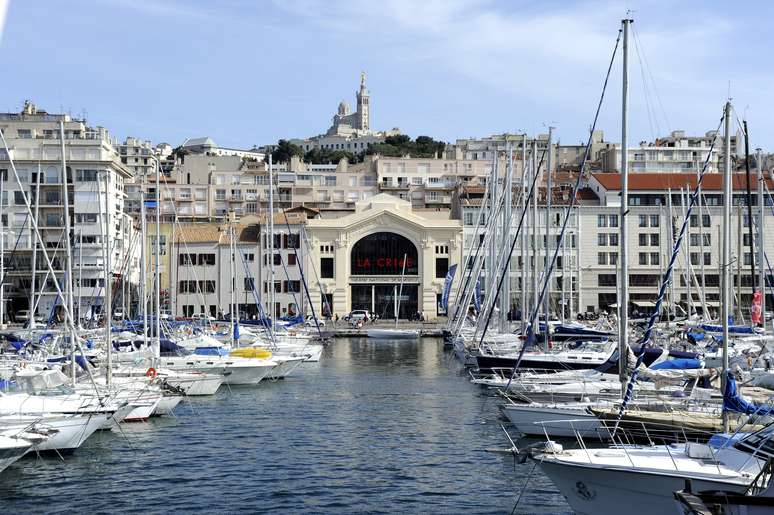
(374, 427)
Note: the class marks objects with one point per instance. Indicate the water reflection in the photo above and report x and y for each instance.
(376, 426)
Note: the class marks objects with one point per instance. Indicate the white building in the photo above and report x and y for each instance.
(201, 275)
(34, 142)
(360, 258)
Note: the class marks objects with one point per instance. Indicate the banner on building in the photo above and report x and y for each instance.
(447, 287)
(755, 311)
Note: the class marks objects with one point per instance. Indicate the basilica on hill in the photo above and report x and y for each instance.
(358, 123)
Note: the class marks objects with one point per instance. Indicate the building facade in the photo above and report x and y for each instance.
(95, 184)
(383, 252)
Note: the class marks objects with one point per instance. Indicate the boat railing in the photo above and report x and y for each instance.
(632, 435)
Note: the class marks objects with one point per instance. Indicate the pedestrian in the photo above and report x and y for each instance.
(335, 319)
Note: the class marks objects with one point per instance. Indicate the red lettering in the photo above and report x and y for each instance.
(366, 263)
(380, 262)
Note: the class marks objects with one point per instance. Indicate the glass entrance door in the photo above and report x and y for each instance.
(383, 298)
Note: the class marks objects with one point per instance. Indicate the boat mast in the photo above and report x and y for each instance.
(270, 243)
(688, 273)
(523, 235)
(108, 304)
(547, 261)
(749, 211)
(623, 258)
(700, 217)
(725, 297)
(400, 292)
(505, 293)
(494, 197)
(534, 246)
(234, 311)
(3, 176)
(565, 268)
(761, 219)
(143, 304)
(157, 280)
(35, 258)
(68, 250)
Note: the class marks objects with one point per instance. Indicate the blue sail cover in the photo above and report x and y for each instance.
(732, 401)
(677, 364)
(447, 286)
(732, 329)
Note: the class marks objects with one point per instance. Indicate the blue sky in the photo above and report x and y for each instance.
(250, 72)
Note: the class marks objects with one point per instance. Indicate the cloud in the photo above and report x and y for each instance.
(545, 54)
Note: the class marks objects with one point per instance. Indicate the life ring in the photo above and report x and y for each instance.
(151, 372)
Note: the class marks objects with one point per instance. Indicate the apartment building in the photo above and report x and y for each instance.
(586, 273)
(95, 188)
(676, 153)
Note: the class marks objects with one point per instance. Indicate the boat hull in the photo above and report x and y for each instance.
(196, 385)
(599, 491)
(167, 404)
(487, 363)
(11, 451)
(541, 420)
(393, 334)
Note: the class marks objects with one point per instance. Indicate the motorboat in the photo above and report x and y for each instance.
(12, 448)
(644, 477)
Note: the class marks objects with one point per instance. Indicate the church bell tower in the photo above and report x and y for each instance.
(363, 105)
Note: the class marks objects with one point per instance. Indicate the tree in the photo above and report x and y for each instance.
(285, 150)
(398, 140)
(326, 155)
(400, 145)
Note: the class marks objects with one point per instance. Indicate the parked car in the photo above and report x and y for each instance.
(310, 322)
(118, 315)
(358, 314)
(166, 315)
(21, 316)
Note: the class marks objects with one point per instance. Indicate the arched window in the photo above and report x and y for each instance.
(383, 253)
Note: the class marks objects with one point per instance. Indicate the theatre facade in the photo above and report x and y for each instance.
(382, 252)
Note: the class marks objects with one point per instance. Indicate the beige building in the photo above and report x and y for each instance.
(360, 257)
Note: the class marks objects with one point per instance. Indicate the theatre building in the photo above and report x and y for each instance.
(360, 259)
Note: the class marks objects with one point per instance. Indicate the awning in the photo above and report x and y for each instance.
(644, 303)
(711, 303)
(613, 305)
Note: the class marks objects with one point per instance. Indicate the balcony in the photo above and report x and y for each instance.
(394, 186)
(440, 199)
(442, 185)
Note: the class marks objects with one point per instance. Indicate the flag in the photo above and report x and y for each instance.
(150, 203)
(755, 310)
(477, 296)
(447, 287)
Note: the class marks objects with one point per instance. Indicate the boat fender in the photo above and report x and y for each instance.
(552, 447)
(151, 372)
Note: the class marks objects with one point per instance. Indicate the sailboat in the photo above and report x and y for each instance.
(396, 334)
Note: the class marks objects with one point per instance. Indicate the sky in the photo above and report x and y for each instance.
(250, 72)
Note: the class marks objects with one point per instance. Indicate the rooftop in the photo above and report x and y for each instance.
(674, 181)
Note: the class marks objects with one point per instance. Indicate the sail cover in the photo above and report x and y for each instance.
(733, 401)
